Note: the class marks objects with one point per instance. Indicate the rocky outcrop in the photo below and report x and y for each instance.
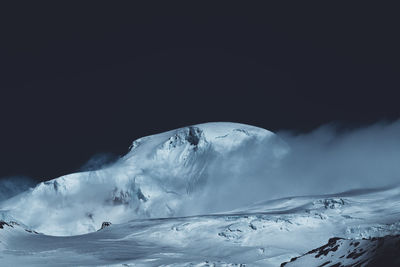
(104, 225)
(339, 252)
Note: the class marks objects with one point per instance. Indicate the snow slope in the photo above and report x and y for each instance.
(175, 173)
(267, 234)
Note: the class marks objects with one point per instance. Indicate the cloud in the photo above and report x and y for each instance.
(329, 159)
(13, 185)
(326, 160)
(99, 161)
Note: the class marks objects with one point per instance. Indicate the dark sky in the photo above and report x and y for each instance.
(82, 78)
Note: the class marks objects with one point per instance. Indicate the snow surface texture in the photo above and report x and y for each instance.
(268, 234)
(146, 209)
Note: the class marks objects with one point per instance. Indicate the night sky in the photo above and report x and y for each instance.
(82, 78)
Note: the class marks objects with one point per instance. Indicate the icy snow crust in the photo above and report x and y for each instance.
(153, 197)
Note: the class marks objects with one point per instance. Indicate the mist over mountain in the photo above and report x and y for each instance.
(229, 186)
(330, 159)
(11, 186)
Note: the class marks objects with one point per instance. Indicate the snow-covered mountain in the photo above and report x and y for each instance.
(179, 172)
(176, 199)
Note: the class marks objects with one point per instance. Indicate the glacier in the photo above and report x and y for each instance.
(177, 199)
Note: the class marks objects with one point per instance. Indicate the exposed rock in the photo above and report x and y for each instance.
(104, 225)
(3, 223)
(377, 251)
